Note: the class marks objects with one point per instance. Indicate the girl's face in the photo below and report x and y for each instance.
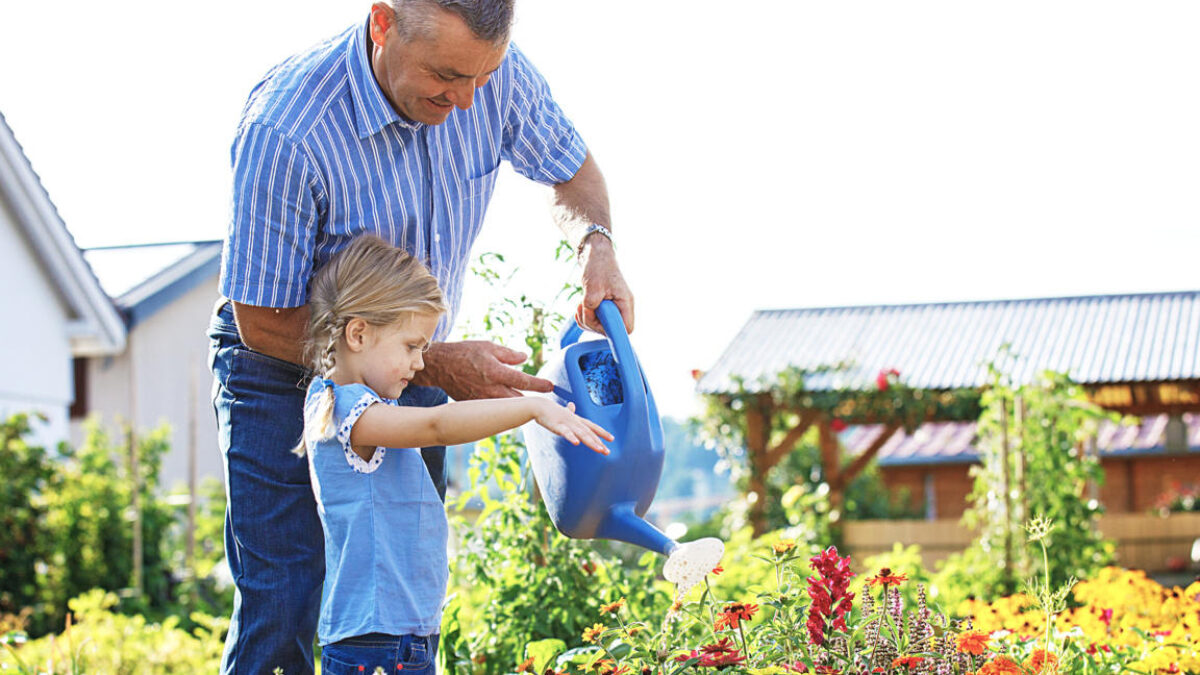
(393, 354)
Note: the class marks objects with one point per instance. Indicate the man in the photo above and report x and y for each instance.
(395, 127)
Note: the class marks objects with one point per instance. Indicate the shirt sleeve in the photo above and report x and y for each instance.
(268, 253)
(539, 140)
(350, 402)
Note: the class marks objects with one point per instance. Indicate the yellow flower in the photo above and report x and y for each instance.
(783, 546)
(593, 634)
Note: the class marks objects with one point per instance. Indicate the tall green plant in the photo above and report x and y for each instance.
(27, 473)
(1032, 439)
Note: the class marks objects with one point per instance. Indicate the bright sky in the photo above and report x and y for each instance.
(801, 154)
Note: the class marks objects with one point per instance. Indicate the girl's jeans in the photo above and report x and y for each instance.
(273, 537)
(407, 654)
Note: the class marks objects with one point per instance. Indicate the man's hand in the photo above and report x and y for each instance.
(272, 331)
(602, 280)
(477, 369)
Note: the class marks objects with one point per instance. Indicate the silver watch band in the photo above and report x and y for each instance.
(594, 228)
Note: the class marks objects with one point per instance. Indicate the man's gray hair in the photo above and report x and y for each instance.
(489, 20)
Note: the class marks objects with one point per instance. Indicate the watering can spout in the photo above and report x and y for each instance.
(623, 524)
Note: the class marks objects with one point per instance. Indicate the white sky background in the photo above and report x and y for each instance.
(796, 154)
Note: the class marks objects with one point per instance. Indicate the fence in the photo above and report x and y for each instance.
(1143, 541)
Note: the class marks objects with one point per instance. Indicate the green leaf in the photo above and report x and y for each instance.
(543, 651)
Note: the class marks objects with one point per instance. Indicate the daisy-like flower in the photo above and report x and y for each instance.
(612, 607)
(525, 665)
(973, 642)
(783, 546)
(733, 614)
(634, 629)
(722, 646)
(593, 634)
(886, 578)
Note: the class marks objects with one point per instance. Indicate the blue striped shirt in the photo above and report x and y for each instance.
(321, 157)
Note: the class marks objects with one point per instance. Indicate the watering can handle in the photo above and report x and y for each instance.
(570, 335)
(627, 364)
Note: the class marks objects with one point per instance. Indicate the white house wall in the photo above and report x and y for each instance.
(36, 372)
(163, 377)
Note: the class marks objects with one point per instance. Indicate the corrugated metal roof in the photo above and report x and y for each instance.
(1094, 339)
(953, 442)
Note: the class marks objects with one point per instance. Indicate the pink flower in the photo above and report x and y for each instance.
(884, 379)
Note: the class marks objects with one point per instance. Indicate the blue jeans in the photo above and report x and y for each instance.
(410, 654)
(273, 536)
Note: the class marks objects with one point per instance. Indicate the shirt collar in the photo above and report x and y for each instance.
(372, 110)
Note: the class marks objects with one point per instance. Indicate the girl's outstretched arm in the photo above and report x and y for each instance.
(469, 421)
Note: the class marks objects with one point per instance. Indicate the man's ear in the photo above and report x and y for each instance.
(357, 334)
(382, 20)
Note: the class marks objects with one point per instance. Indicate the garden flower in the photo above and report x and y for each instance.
(973, 642)
(884, 379)
(1042, 661)
(722, 646)
(831, 600)
(593, 634)
(837, 424)
(722, 660)
(784, 545)
(612, 607)
(733, 614)
(525, 665)
(906, 661)
(1001, 665)
(886, 578)
(717, 570)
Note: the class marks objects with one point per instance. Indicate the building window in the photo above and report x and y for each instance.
(79, 404)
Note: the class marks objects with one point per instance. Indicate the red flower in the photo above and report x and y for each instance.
(837, 424)
(906, 661)
(1106, 616)
(831, 599)
(884, 379)
(722, 646)
(697, 373)
(717, 570)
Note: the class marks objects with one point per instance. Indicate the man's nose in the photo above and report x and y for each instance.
(462, 94)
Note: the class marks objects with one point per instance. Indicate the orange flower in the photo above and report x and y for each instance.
(613, 607)
(1001, 665)
(783, 546)
(1042, 661)
(593, 634)
(733, 614)
(973, 642)
(717, 570)
(906, 661)
(886, 578)
(524, 667)
(676, 606)
(601, 665)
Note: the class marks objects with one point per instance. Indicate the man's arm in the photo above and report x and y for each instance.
(273, 331)
(578, 203)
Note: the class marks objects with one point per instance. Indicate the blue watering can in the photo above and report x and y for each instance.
(589, 495)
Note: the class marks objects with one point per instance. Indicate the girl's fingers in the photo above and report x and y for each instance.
(599, 430)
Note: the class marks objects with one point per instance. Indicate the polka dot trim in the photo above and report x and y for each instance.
(343, 435)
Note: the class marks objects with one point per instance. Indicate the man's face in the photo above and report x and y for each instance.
(426, 76)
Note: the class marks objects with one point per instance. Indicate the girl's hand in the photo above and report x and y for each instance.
(565, 423)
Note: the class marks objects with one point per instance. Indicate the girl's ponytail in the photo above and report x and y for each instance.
(318, 415)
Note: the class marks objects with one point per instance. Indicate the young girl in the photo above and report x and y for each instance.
(374, 311)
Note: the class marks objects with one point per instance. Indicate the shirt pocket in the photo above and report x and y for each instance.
(475, 193)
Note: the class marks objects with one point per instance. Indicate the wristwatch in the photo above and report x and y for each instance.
(594, 228)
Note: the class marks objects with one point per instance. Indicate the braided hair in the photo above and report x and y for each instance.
(369, 280)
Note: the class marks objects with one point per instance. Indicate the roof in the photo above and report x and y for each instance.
(953, 442)
(145, 278)
(95, 327)
(1093, 339)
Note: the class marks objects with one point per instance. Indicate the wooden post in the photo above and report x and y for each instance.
(832, 462)
(757, 421)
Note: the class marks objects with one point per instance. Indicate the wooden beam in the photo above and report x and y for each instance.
(758, 415)
(793, 436)
(867, 455)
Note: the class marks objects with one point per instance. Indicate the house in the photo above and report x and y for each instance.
(56, 308)
(1137, 354)
(165, 293)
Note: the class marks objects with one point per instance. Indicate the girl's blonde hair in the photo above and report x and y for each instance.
(369, 280)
